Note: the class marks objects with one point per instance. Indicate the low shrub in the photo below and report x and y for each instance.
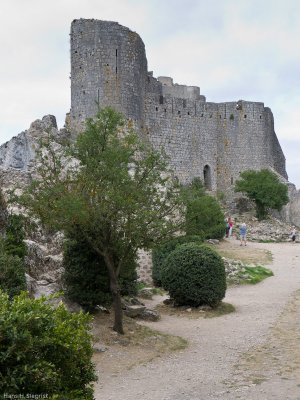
(44, 350)
(160, 253)
(194, 275)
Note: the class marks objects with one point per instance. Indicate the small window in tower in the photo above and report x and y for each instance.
(178, 112)
(260, 117)
(201, 115)
(116, 61)
(161, 99)
(188, 113)
(245, 116)
(156, 108)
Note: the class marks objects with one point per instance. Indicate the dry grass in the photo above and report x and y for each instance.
(138, 345)
(248, 255)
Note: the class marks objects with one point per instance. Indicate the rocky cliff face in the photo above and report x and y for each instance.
(17, 167)
(19, 153)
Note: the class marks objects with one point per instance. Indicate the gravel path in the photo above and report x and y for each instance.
(253, 353)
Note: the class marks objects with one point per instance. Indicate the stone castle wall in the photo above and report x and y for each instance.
(213, 141)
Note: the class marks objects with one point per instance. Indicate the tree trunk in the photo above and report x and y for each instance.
(115, 291)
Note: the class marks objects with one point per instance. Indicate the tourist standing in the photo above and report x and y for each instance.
(293, 234)
(243, 234)
(227, 227)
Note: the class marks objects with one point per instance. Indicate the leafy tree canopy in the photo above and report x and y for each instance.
(204, 215)
(12, 251)
(111, 187)
(265, 189)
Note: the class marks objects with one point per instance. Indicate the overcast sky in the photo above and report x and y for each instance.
(245, 49)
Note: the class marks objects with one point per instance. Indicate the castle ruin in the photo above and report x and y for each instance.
(213, 141)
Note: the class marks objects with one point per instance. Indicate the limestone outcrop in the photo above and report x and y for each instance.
(17, 167)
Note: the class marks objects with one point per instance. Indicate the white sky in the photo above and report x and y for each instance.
(245, 49)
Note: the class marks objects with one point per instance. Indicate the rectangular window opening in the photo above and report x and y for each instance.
(116, 61)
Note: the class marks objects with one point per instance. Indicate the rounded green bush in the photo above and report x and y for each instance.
(194, 275)
(44, 349)
(160, 253)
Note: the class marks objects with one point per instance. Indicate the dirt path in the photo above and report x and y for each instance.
(253, 353)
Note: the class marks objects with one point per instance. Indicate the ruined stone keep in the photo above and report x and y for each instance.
(213, 141)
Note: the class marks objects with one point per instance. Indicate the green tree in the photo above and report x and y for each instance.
(265, 189)
(12, 254)
(12, 273)
(115, 189)
(3, 211)
(204, 215)
(14, 236)
(86, 278)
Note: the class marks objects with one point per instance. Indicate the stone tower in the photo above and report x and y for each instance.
(108, 67)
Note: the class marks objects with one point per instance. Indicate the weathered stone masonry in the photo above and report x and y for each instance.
(213, 141)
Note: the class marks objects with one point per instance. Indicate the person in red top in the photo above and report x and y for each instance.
(230, 222)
